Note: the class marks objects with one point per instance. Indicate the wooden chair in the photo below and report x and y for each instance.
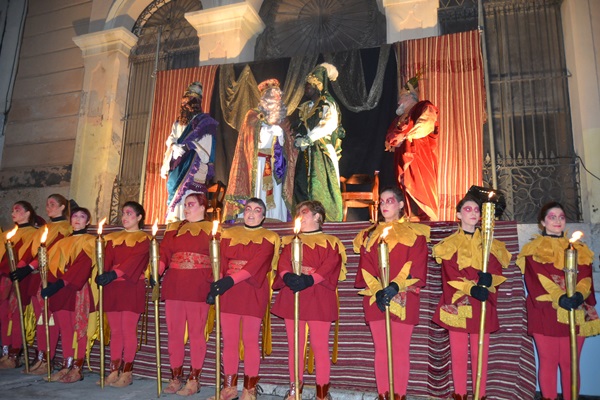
(368, 199)
(216, 195)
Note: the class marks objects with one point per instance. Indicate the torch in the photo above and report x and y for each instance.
(43, 268)
(487, 236)
(10, 250)
(570, 284)
(297, 267)
(154, 257)
(215, 260)
(100, 264)
(383, 252)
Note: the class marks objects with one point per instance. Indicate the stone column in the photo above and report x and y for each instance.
(226, 34)
(411, 19)
(100, 129)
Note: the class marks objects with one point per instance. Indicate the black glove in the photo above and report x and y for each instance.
(152, 282)
(221, 286)
(52, 288)
(289, 278)
(380, 300)
(570, 303)
(106, 278)
(390, 291)
(210, 299)
(480, 293)
(485, 279)
(20, 273)
(301, 282)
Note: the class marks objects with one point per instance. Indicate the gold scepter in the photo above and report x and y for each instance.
(10, 250)
(215, 260)
(570, 271)
(487, 236)
(100, 264)
(297, 267)
(384, 270)
(154, 257)
(43, 268)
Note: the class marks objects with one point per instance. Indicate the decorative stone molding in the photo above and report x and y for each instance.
(411, 19)
(229, 30)
(117, 39)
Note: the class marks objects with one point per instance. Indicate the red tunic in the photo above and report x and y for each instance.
(250, 296)
(321, 254)
(446, 313)
(189, 280)
(128, 254)
(407, 242)
(71, 261)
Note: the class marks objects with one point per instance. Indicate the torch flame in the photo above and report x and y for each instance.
(215, 227)
(100, 225)
(12, 233)
(155, 227)
(385, 232)
(297, 223)
(576, 236)
(44, 235)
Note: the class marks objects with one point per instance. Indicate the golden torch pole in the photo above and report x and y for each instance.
(487, 235)
(297, 267)
(215, 259)
(43, 268)
(154, 258)
(384, 270)
(570, 284)
(13, 266)
(100, 264)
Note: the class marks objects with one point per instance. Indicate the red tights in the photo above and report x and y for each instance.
(177, 312)
(553, 353)
(123, 334)
(66, 327)
(250, 326)
(401, 335)
(459, 350)
(319, 342)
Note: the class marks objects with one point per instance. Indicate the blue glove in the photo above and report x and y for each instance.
(480, 293)
(485, 279)
(20, 273)
(570, 303)
(52, 288)
(301, 282)
(221, 286)
(106, 278)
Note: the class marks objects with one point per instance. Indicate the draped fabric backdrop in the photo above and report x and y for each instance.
(452, 78)
(170, 86)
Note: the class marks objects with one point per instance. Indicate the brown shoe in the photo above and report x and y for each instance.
(291, 394)
(126, 377)
(113, 376)
(323, 392)
(41, 365)
(229, 391)
(192, 386)
(456, 396)
(176, 381)
(250, 391)
(64, 370)
(75, 374)
(13, 360)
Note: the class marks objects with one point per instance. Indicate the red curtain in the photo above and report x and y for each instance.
(170, 85)
(452, 78)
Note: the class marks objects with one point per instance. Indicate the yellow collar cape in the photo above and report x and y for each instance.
(25, 235)
(183, 227)
(322, 240)
(469, 250)
(240, 234)
(403, 232)
(66, 251)
(551, 250)
(129, 238)
(54, 228)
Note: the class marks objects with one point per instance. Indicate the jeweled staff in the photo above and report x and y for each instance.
(10, 251)
(570, 271)
(100, 245)
(297, 268)
(487, 236)
(43, 268)
(154, 259)
(383, 252)
(215, 260)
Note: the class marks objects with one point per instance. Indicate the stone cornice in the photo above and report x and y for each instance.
(117, 39)
(241, 17)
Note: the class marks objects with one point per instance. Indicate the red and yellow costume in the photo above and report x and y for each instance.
(10, 323)
(248, 255)
(407, 243)
(184, 251)
(542, 262)
(324, 258)
(127, 254)
(461, 257)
